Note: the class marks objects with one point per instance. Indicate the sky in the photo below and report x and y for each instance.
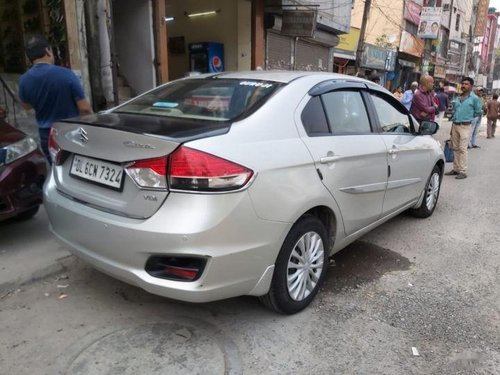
(495, 4)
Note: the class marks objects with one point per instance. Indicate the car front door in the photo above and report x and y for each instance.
(408, 158)
(350, 158)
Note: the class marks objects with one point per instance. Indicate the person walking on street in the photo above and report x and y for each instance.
(467, 107)
(398, 94)
(492, 115)
(408, 95)
(423, 106)
(443, 104)
(52, 91)
(476, 124)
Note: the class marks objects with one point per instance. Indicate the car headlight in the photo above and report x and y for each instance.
(17, 150)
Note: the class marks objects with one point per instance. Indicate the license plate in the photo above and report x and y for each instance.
(97, 171)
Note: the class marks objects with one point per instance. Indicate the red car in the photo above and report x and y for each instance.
(23, 169)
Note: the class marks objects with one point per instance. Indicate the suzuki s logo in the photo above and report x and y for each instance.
(83, 135)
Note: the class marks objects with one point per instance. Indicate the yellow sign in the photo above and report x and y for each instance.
(349, 42)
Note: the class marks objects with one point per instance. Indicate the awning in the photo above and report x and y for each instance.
(343, 54)
(406, 63)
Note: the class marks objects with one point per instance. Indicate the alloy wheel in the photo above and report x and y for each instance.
(305, 266)
(432, 191)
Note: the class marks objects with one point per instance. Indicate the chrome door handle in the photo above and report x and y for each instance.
(394, 150)
(328, 159)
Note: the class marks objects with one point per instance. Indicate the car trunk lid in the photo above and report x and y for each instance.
(98, 149)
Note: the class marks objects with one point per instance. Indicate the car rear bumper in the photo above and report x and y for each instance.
(240, 248)
(21, 184)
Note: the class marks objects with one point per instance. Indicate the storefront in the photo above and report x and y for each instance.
(309, 49)
(61, 21)
(344, 60)
(378, 63)
(22, 18)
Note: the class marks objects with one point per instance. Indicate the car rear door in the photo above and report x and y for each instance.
(350, 157)
(409, 159)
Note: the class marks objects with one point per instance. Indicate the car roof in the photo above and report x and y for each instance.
(283, 76)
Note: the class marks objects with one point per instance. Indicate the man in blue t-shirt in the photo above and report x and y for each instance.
(52, 91)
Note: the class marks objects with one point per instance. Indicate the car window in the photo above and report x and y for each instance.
(391, 118)
(314, 119)
(346, 112)
(210, 99)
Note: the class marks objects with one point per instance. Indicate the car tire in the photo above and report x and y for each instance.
(292, 288)
(26, 215)
(431, 195)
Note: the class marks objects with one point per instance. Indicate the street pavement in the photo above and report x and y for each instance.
(412, 297)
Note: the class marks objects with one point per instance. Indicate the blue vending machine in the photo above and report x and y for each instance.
(206, 57)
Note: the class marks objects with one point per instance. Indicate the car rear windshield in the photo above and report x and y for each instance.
(214, 99)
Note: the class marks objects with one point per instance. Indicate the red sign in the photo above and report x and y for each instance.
(412, 12)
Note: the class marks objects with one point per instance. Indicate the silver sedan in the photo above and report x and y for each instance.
(243, 183)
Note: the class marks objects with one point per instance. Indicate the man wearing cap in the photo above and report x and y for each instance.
(408, 95)
(476, 124)
(52, 91)
(467, 106)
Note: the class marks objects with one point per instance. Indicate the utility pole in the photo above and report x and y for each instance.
(361, 43)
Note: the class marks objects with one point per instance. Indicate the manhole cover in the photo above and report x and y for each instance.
(164, 348)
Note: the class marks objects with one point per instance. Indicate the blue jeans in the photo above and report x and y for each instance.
(475, 125)
(44, 142)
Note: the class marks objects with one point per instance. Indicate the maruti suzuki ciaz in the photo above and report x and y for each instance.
(244, 183)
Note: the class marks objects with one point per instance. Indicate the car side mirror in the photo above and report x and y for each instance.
(428, 128)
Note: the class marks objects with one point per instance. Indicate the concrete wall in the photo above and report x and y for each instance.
(134, 42)
(231, 26)
(386, 17)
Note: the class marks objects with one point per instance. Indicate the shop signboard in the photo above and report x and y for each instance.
(348, 43)
(439, 71)
(390, 61)
(411, 45)
(430, 20)
(374, 57)
(298, 23)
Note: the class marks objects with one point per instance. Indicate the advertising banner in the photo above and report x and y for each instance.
(430, 20)
(482, 11)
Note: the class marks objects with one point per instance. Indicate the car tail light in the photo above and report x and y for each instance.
(56, 154)
(195, 170)
(149, 173)
(176, 268)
